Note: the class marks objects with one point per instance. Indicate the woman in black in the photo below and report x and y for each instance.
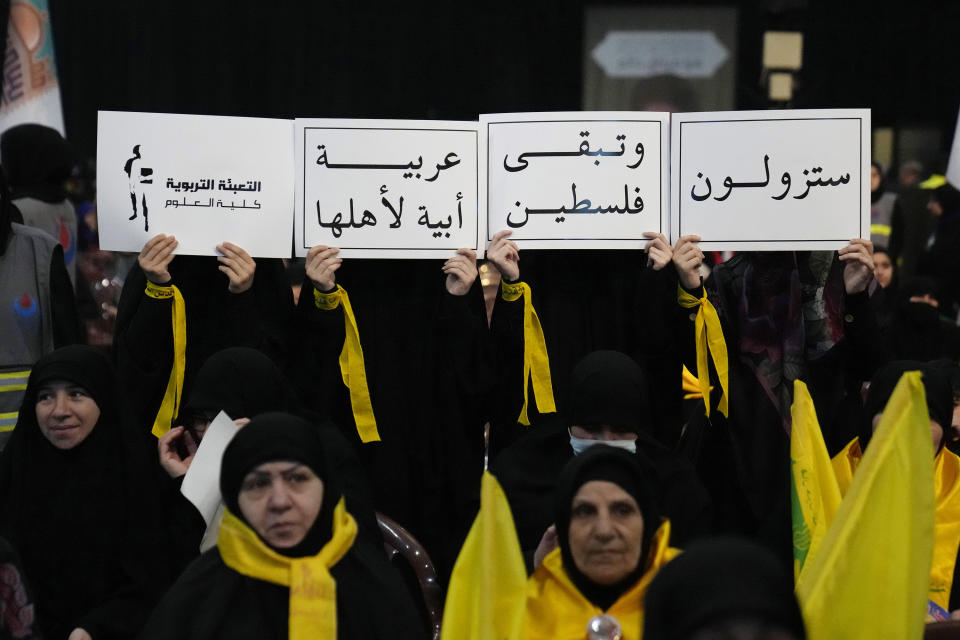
(287, 563)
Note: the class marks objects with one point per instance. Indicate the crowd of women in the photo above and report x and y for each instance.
(386, 387)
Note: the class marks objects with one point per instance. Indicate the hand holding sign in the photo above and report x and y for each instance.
(659, 252)
(505, 256)
(155, 258)
(238, 265)
(687, 258)
(461, 271)
(858, 265)
(321, 266)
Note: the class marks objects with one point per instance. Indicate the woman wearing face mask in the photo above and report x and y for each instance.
(612, 542)
(918, 333)
(286, 562)
(76, 499)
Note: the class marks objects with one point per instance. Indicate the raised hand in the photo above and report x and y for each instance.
(461, 271)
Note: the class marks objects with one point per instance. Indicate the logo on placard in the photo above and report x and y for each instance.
(25, 306)
(138, 175)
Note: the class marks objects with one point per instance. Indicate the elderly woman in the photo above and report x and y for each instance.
(611, 544)
(286, 562)
(76, 500)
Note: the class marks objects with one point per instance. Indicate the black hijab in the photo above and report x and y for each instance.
(936, 384)
(608, 388)
(210, 600)
(631, 472)
(82, 518)
(239, 380)
(720, 581)
(38, 161)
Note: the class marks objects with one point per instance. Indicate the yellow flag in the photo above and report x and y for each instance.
(487, 591)
(814, 493)
(871, 576)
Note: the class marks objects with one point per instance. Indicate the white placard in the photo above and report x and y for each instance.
(953, 165)
(642, 54)
(771, 180)
(201, 485)
(204, 179)
(387, 188)
(583, 180)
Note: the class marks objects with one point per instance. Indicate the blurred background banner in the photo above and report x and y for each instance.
(659, 58)
(31, 92)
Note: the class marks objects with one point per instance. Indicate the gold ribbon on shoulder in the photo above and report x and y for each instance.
(351, 363)
(171, 397)
(710, 342)
(536, 362)
(313, 591)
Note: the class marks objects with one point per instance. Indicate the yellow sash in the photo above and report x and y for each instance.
(313, 591)
(171, 397)
(710, 341)
(351, 363)
(536, 363)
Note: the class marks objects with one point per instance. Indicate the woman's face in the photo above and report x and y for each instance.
(281, 500)
(606, 532)
(874, 178)
(66, 413)
(882, 269)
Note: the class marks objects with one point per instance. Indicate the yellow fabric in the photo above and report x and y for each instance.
(880, 229)
(946, 485)
(352, 369)
(710, 342)
(171, 397)
(814, 492)
(556, 610)
(487, 587)
(313, 591)
(871, 576)
(15, 374)
(845, 463)
(933, 182)
(691, 385)
(536, 363)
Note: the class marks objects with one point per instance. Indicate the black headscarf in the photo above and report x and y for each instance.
(608, 388)
(273, 437)
(719, 581)
(38, 162)
(82, 518)
(936, 383)
(239, 380)
(631, 472)
(210, 600)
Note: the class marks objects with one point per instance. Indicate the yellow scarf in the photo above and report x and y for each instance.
(352, 369)
(313, 591)
(536, 363)
(710, 341)
(171, 397)
(946, 524)
(556, 609)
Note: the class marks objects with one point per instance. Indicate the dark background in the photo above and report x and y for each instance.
(454, 60)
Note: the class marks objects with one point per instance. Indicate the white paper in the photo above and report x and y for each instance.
(204, 179)
(953, 166)
(201, 485)
(778, 180)
(387, 188)
(579, 180)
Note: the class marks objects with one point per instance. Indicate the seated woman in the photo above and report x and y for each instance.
(286, 562)
(77, 501)
(611, 544)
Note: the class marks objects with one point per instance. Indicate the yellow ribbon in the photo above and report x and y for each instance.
(691, 385)
(171, 397)
(536, 362)
(313, 591)
(351, 363)
(710, 341)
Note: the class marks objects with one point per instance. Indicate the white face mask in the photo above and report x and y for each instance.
(580, 445)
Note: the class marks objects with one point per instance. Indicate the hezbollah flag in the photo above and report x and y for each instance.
(487, 591)
(31, 92)
(814, 493)
(870, 578)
